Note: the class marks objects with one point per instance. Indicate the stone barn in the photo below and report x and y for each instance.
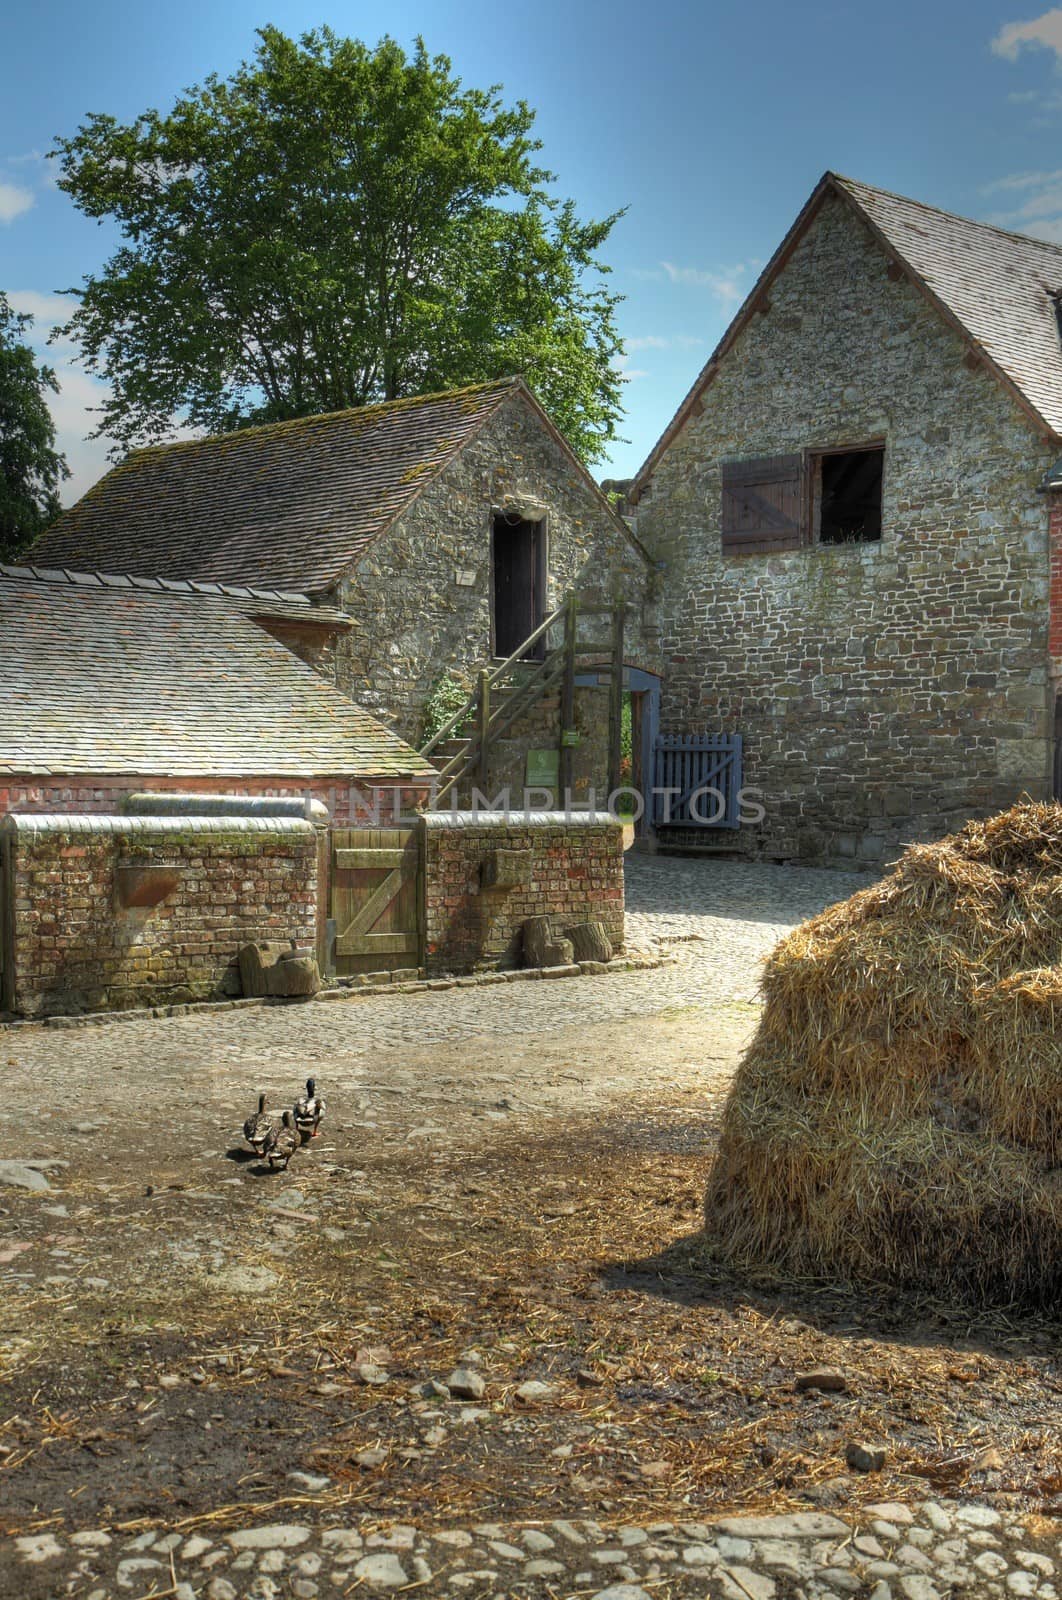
(444, 532)
(857, 513)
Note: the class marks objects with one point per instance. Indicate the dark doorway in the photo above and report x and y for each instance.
(519, 562)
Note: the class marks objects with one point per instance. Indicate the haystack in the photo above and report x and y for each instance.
(898, 1116)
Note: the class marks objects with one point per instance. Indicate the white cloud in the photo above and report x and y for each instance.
(1034, 203)
(76, 406)
(46, 171)
(1042, 33)
(14, 200)
(729, 285)
(74, 411)
(46, 309)
(654, 341)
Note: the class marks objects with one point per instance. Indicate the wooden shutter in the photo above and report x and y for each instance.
(763, 505)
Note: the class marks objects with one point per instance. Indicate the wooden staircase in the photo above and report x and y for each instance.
(545, 664)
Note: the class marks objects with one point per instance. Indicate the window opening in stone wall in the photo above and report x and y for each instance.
(846, 495)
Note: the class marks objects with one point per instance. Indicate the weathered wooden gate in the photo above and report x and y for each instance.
(697, 781)
(375, 899)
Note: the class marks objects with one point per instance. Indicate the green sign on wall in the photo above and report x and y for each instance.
(543, 769)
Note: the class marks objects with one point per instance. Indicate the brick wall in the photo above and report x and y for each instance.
(349, 803)
(77, 942)
(885, 691)
(575, 875)
(1054, 642)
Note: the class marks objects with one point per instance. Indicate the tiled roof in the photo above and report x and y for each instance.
(998, 285)
(113, 679)
(288, 504)
(253, 602)
(995, 287)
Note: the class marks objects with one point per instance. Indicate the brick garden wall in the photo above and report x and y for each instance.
(348, 802)
(885, 691)
(575, 874)
(78, 945)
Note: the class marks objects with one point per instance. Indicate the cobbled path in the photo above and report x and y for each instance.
(925, 1551)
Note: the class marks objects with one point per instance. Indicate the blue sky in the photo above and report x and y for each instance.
(711, 122)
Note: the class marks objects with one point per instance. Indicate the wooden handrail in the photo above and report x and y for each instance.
(492, 678)
(532, 638)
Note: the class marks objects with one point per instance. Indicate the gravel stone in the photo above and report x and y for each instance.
(37, 1547)
(382, 1571)
(278, 1536)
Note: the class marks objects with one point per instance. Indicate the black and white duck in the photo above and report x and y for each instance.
(283, 1142)
(309, 1109)
(258, 1128)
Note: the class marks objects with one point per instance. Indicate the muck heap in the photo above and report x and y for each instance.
(898, 1115)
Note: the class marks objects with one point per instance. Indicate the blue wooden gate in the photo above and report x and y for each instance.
(697, 780)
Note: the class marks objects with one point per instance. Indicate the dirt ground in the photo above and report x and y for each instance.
(181, 1330)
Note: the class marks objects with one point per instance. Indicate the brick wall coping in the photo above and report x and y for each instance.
(520, 819)
(32, 823)
(222, 805)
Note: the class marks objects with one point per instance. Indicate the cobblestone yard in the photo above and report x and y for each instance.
(469, 1343)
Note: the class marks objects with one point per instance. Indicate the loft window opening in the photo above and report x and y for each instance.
(846, 495)
(1055, 296)
(518, 552)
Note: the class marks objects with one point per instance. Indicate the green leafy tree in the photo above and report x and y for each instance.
(31, 469)
(331, 226)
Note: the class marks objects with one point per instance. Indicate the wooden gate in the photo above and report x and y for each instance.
(697, 781)
(375, 899)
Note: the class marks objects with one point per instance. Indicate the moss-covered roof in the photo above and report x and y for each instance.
(109, 679)
(284, 504)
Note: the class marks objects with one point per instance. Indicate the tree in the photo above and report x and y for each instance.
(330, 226)
(31, 469)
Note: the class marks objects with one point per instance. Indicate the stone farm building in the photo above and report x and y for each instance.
(857, 510)
(115, 684)
(433, 536)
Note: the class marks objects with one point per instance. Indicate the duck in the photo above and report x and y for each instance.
(258, 1128)
(309, 1109)
(283, 1142)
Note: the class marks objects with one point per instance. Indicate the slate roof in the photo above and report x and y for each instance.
(253, 602)
(995, 288)
(287, 504)
(113, 679)
(999, 286)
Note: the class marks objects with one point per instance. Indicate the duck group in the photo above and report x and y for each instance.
(276, 1140)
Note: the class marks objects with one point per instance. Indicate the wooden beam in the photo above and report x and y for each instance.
(567, 712)
(484, 727)
(615, 700)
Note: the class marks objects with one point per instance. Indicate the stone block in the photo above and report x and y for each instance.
(278, 970)
(505, 869)
(590, 942)
(540, 947)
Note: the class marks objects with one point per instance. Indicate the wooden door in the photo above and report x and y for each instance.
(519, 550)
(376, 899)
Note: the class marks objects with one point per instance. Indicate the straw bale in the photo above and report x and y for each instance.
(898, 1116)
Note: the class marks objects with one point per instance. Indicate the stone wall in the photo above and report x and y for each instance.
(350, 803)
(111, 912)
(574, 873)
(885, 691)
(538, 729)
(420, 599)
